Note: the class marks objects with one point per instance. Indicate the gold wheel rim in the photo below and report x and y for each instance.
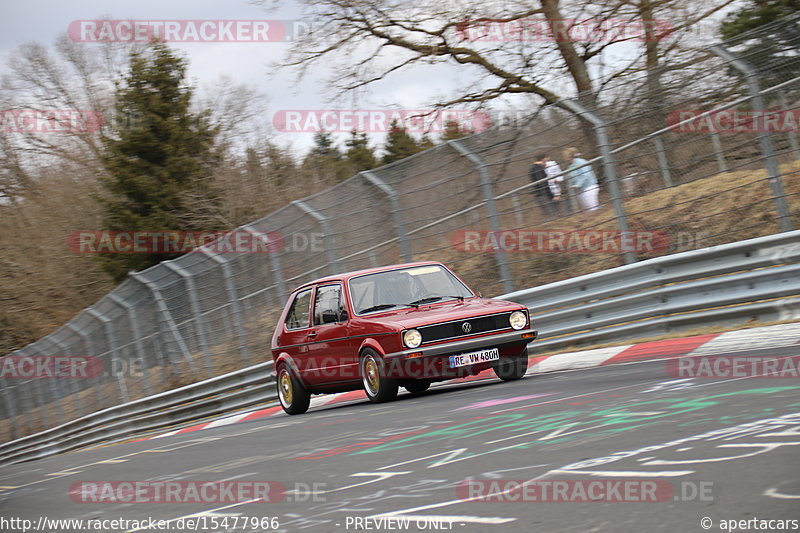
(371, 377)
(285, 386)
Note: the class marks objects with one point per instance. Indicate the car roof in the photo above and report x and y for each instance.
(348, 275)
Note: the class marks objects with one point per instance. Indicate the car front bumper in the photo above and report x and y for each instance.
(411, 362)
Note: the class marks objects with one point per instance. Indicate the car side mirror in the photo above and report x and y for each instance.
(343, 316)
(330, 317)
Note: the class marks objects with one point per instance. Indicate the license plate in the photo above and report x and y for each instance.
(471, 358)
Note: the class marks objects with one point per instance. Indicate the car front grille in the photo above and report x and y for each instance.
(454, 329)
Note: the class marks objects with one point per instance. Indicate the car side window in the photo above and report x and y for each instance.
(328, 304)
(297, 318)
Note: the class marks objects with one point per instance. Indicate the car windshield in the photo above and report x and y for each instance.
(405, 287)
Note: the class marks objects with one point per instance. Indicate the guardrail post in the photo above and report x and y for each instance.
(764, 137)
(199, 322)
(718, 153)
(488, 195)
(166, 322)
(87, 345)
(663, 164)
(325, 223)
(75, 390)
(397, 215)
(603, 146)
(233, 298)
(275, 263)
(137, 337)
(115, 358)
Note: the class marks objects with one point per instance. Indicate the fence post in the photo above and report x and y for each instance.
(166, 321)
(764, 137)
(397, 215)
(75, 390)
(791, 134)
(718, 153)
(56, 390)
(325, 223)
(137, 337)
(610, 168)
(275, 263)
(87, 345)
(114, 350)
(10, 411)
(494, 224)
(233, 298)
(663, 164)
(199, 323)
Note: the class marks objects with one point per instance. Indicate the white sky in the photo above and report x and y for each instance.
(44, 21)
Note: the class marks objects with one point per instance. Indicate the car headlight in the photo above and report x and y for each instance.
(412, 338)
(518, 319)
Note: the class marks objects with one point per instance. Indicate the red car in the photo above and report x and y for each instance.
(397, 326)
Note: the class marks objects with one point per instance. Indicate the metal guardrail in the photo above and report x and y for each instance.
(717, 285)
(755, 278)
(223, 394)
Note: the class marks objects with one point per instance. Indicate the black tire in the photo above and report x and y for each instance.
(378, 387)
(294, 398)
(511, 368)
(416, 386)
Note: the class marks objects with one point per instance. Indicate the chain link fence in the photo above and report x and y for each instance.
(673, 176)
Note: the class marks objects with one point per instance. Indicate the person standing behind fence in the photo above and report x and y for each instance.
(580, 177)
(556, 176)
(542, 190)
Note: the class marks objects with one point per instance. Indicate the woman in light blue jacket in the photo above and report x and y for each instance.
(582, 179)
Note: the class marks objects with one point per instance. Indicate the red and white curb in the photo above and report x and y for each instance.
(777, 336)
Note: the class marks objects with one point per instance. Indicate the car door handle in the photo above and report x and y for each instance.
(312, 335)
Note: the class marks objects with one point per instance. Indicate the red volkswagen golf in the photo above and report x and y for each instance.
(397, 326)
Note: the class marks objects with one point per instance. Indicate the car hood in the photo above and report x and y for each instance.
(442, 312)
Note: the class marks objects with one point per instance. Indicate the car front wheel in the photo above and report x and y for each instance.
(511, 368)
(417, 386)
(378, 387)
(293, 396)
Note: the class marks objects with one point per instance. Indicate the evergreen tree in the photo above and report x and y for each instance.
(774, 50)
(159, 163)
(399, 144)
(453, 130)
(325, 160)
(359, 155)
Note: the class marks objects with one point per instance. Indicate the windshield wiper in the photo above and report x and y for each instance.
(381, 307)
(430, 299)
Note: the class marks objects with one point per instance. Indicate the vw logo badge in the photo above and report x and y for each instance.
(466, 327)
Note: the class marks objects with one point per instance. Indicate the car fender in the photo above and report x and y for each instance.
(285, 359)
(370, 342)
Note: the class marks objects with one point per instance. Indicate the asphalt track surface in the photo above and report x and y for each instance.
(719, 449)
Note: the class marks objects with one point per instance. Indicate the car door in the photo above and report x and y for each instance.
(330, 345)
(294, 337)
